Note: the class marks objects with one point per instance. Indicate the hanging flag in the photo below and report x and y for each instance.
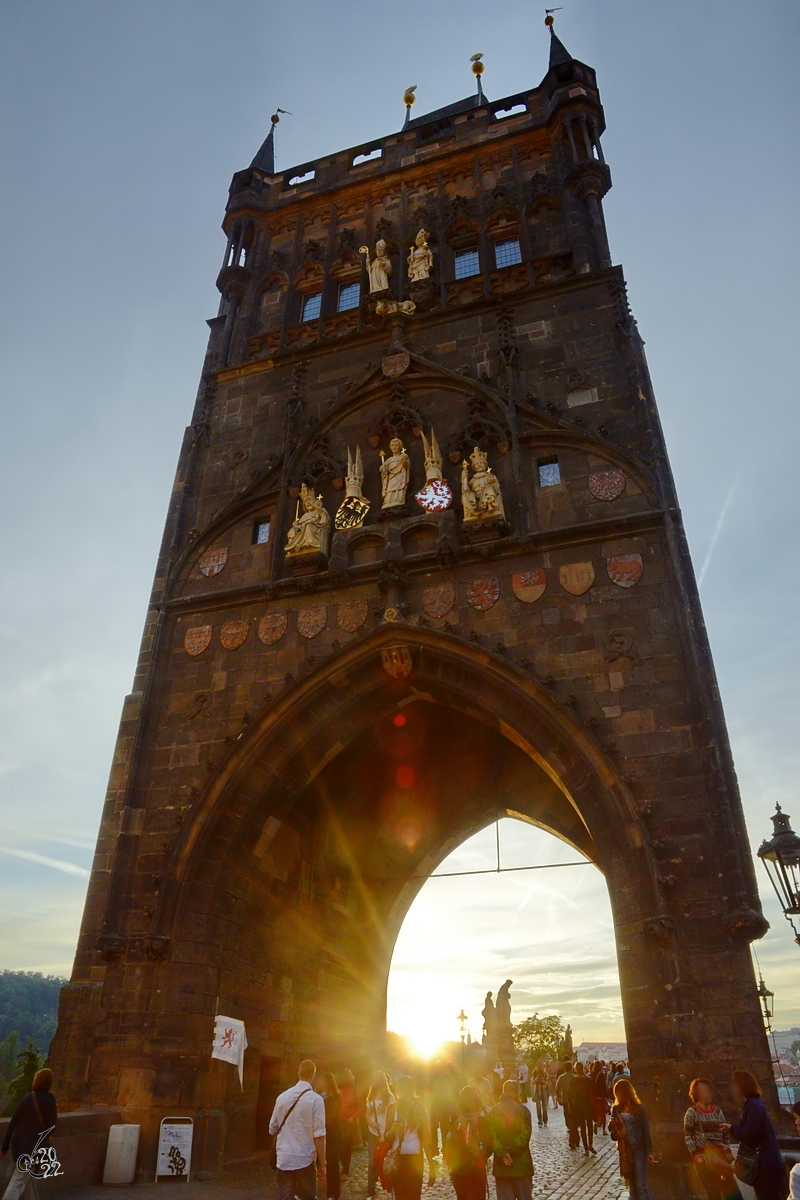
(230, 1043)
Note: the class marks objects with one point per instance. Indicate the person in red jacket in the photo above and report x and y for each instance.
(353, 1110)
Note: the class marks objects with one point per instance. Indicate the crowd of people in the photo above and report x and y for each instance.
(485, 1122)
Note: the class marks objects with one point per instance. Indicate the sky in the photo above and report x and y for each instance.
(122, 125)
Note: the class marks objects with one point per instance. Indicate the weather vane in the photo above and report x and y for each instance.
(550, 19)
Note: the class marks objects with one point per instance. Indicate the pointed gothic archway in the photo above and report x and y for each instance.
(311, 843)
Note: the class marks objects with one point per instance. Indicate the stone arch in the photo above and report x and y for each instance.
(307, 770)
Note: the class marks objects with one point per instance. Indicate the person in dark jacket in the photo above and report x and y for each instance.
(34, 1114)
(630, 1129)
(580, 1099)
(468, 1147)
(754, 1130)
(326, 1086)
(512, 1165)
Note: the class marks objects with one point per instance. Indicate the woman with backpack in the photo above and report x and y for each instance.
(408, 1134)
(630, 1129)
(469, 1144)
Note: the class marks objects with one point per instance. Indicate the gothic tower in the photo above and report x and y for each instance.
(423, 566)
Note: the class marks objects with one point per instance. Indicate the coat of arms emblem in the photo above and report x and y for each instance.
(352, 615)
(438, 599)
(625, 569)
(436, 496)
(311, 621)
(483, 593)
(529, 586)
(576, 578)
(396, 661)
(351, 512)
(213, 560)
(233, 634)
(607, 485)
(197, 639)
(272, 627)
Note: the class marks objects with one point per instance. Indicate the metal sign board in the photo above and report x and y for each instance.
(175, 1147)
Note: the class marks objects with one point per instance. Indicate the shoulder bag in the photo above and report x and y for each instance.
(273, 1154)
(746, 1166)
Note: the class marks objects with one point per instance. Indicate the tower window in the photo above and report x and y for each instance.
(349, 296)
(549, 472)
(507, 254)
(467, 263)
(312, 306)
(261, 531)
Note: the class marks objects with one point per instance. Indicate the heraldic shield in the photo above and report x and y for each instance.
(576, 578)
(197, 639)
(234, 634)
(396, 661)
(529, 586)
(625, 569)
(438, 599)
(272, 627)
(483, 593)
(311, 621)
(607, 485)
(352, 614)
(214, 560)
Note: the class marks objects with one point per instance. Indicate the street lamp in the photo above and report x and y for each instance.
(462, 1019)
(781, 857)
(767, 999)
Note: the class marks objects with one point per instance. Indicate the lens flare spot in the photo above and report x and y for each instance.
(409, 831)
(399, 720)
(405, 776)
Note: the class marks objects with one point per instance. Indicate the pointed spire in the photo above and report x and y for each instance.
(265, 159)
(558, 51)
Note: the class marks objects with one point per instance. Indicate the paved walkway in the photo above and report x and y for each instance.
(561, 1174)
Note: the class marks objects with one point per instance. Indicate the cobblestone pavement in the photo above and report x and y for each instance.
(560, 1174)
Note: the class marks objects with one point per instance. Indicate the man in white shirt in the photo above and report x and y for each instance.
(298, 1126)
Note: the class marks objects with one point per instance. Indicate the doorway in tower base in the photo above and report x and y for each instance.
(549, 930)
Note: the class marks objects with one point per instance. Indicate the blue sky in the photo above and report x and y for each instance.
(123, 125)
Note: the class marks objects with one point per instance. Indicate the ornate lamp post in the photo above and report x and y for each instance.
(462, 1027)
(781, 857)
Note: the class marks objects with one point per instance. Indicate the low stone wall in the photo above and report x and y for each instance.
(80, 1142)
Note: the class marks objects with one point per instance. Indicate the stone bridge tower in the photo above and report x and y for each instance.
(423, 566)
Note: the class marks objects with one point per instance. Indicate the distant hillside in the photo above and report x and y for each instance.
(29, 1006)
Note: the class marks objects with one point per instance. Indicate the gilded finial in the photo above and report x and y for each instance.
(550, 19)
(409, 97)
(477, 70)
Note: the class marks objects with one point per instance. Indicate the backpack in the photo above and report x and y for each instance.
(463, 1150)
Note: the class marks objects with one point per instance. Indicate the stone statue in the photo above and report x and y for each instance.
(488, 1019)
(480, 494)
(433, 457)
(420, 260)
(568, 1042)
(379, 268)
(503, 1005)
(354, 508)
(310, 532)
(395, 473)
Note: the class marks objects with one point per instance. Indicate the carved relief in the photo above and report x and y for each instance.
(213, 561)
(483, 593)
(352, 615)
(576, 578)
(529, 586)
(625, 569)
(234, 634)
(607, 485)
(272, 627)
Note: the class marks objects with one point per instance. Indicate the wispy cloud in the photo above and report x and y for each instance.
(58, 863)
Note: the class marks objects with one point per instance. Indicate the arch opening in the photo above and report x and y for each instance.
(550, 929)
